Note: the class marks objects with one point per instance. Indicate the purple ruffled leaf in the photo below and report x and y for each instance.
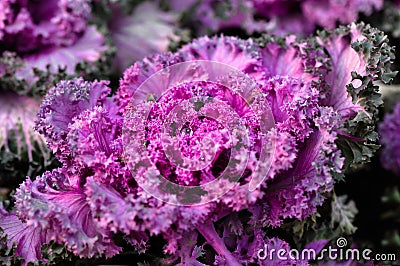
(136, 213)
(344, 60)
(135, 75)
(297, 192)
(27, 237)
(93, 131)
(88, 48)
(243, 55)
(65, 102)
(51, 203)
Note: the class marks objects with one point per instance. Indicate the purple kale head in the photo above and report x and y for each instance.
(48, 36)
(303, 17)
(28, 26)
(300, 17)
(118, 151)
(390, 140)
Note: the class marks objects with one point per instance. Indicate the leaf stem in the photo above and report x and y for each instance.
(208, 231)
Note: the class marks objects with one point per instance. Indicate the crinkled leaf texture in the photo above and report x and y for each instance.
(316, 102)
(63, 103)
(53, 209)
(358, 138)
(28, 238)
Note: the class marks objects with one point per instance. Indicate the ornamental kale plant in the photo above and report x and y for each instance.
(390, 140)
(272, 16)
(49, 38)
(304, 110)
(41, 42)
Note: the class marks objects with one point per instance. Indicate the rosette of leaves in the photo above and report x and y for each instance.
(324, 103)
